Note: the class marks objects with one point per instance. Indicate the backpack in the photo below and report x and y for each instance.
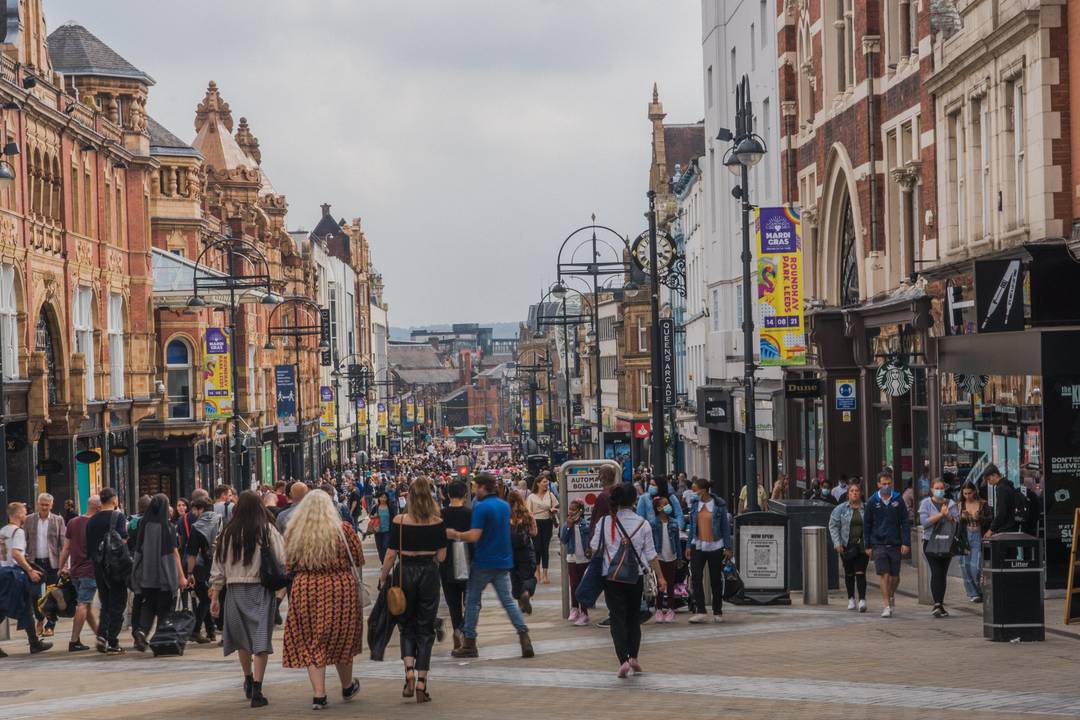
(115, 557)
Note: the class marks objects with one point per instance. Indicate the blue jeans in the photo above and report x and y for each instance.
(971, 565)
(479, 579)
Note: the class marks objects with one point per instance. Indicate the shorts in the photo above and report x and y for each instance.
(84, 590)
(887, 560)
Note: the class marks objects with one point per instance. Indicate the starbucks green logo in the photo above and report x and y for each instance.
(894, 378)
(971, 384)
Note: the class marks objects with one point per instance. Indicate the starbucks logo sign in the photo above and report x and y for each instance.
(894, 378)
(971, 384)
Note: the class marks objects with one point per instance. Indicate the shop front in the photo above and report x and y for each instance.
(725, 449)
(769, 429)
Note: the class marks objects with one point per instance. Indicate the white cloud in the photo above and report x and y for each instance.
(471, 136)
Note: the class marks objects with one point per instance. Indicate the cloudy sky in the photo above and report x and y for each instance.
(471, 136)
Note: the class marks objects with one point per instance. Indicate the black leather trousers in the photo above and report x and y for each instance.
(416, 626)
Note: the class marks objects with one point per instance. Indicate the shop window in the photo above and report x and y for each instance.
(116, 345)
(642, 335)
(251, 406)
(178, 380)
(9, 323)
(643, 390)
(849, 261)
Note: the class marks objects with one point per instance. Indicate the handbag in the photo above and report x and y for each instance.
(460, 560)
(395, 595)
(272, 575)
(940, 543)
(358, 573)
(621, 569)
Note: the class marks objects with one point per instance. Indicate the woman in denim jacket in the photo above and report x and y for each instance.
(659, 488)
(574, 537)
(669, 553)
(846, 531)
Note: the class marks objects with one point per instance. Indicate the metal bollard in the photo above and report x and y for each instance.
(815, 565)
(922, 569)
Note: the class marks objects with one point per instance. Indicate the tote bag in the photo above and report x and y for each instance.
(460, 558)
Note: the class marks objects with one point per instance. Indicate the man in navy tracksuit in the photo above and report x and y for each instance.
(887, 530)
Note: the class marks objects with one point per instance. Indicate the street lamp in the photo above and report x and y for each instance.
(236, 279)
(357, 374)
(297, 331)
(593, 267)
(559, 291)
(746, 151)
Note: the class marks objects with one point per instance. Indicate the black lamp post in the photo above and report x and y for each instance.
(745, 152)
(386, 382)
(593, 268)
(566, 321)
(297, 331)
(241, 256)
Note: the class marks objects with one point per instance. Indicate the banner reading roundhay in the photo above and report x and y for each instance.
(328, 414)
(382, 417)
(361, 415)
(780, 287)
(217, 375)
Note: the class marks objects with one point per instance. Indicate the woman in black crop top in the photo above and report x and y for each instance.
(419, 537)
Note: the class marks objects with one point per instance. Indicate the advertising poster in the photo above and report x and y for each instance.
(327, 418)
(780, 287)
(382, 418)
(361, 414)
(285, 396)
(761, 556)
(217, 375)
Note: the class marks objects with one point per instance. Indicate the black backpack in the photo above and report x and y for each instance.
(115, 557)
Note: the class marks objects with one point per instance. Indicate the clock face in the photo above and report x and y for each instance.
(665, 251)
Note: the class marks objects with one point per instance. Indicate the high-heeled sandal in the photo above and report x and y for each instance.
(410, 683)
(421, 692)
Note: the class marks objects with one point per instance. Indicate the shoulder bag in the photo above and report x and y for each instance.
(460, 559)
(395, 595)
(357, 571)
(272, 575)
(940, 543)
(592, 581)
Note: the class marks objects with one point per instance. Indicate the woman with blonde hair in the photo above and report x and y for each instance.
(418, 536)
(325, 624)
(523, 530)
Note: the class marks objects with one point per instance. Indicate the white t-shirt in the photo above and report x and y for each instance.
(41, 542)
(667, 553)
(578, 555)
(12, 537)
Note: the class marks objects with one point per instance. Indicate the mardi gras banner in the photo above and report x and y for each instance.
(539, 415)
(361, 415)
(395, 411)
(217, 375)
(420, 415)
(382, 418)
(328, 412)
(285, 395)
(780, 287)
(410, 410)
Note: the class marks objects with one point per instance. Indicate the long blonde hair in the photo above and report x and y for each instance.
(420, 504)
(313, 533)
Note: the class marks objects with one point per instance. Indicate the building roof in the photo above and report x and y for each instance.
(214, 138)
(327, 226)
(683, 143)
(429, 376)
(74, 50)
(174, 281)
(164, 142)
(420, 356)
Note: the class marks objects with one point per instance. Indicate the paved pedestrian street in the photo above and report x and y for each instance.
(763, 662)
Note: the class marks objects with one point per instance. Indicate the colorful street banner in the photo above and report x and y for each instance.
(539, 415)
(382, 418)
(395, 411)
(420, 417)
(780, 286)
(285, 396)
(361, 415)
(217, 375)
(410, 410)
(327, 414)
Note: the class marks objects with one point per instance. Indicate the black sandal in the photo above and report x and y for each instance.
(410, 685)
(421, 692)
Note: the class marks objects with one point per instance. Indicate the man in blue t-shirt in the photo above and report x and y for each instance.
(491, 565)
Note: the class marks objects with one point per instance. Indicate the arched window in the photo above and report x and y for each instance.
(44, 343)
(178, 380)
(849, 261)
(9, 323)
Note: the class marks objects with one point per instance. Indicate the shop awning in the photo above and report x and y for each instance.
(1004, 353)
(174, 282)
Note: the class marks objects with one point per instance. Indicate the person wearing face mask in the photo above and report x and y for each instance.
(846, 531)
(887, 534)
(659, 488)
(666, 540)
(938, 516)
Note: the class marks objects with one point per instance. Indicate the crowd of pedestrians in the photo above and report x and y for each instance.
(230, 567)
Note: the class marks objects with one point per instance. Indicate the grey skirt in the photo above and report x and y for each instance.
(249, 619)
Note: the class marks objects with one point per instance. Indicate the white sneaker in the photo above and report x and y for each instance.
(574, 614)
(698, 619)
(851, 603)
(862, 606)
(718, 619)
(887, 612)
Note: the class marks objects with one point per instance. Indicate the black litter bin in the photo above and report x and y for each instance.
(804, 513)
(1013, 588)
